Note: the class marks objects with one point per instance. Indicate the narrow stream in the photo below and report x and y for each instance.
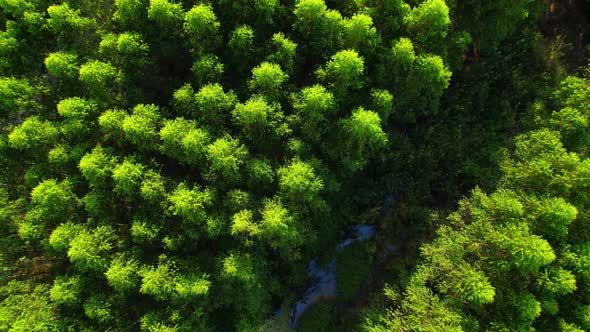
(324, 279)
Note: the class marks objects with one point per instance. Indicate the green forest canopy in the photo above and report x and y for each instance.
(173, 165)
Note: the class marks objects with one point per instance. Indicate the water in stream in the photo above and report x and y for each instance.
(324, 279)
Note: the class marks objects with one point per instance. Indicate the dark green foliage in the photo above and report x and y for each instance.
(352, 268)
(506, 260)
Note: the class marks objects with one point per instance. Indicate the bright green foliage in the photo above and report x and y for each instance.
(429, 21)
(267, 79)
(237, 200)
(111, 124)
(364, 129)
(314, 106)
(361, 132)
(242, 40)
(299, 183)
(403, 54)
(214, 104)
(96, 167)
(201, 24)
(241, 272)
(152, 187)
(132, 49)
(53, 201)
(433, 74)
(76, 108)
(172, 165)
(16, 7)
(98, 309)
(260, 173)
(62, 65)
(344, 71)
(184, 141)
(26, 307)
(128, 10)
(122, 274)
(58, 156)
(143, 231)
(66, 290)
(190, 204)
(17, 95)
(321, 28)
(572, 125)
(226, 157)
(165, 13)
(191, 286)
(108, 45)
(141, 126)
(32, 134)
(360, 34)
(158, 281)
(207, 69)
(279, 228)
(554, 215)
(96, 73)
(238, 266)
(243, 225)
(256, 116)
(382, 102)
(128, 177)
(64, 18)
(62, 236)
(284, 53)
(201, 20)
(89, 250)
(183, 99)
(309, 13)
(507, 260)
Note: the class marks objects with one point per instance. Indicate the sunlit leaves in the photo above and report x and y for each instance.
(284, 53)
(32, 134)
(96, 73)
(96, 166)
(64, 18)
(213, 104)
(127, 177)
(344, 70)
(360, 34)
(165, 13)
(278, 227)
(201, 20)
(158, 281)
(364, 128)
(62, 236)
(66, 290)
(207, 69)
(298, 182)
(89, 250)
(267, 79)
(190, 204)
(61, 64)
(226, 156)
(256, 116)
(141, 126)
(184, 140)
(429, 21)
(122, 274)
